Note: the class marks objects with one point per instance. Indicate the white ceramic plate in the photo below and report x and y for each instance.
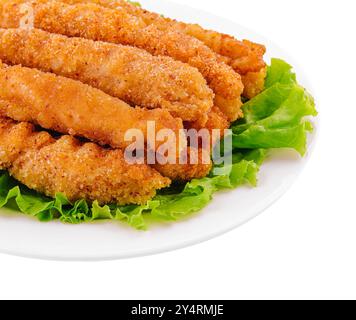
(23, 236)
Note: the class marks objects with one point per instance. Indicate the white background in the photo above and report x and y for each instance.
(302, 247)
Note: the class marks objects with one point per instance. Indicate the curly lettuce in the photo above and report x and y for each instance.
(276, 118)
(172, 204)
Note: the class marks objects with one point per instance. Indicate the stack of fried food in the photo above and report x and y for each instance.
(94, 69)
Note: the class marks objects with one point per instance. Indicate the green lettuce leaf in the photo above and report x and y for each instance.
(168, 206)
(280, 72)
(198, 193)
(277, 118)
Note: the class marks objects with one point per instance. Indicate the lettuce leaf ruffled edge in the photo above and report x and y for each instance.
(164, 207)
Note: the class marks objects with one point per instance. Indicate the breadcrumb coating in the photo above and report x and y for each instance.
(254, 83)
(230, 108)
(78, 170)
(71, 107)
(244, 56)
(127, 53)
(95, 22)
(188, 171)
(74, 108)
(128, 73)
(216, 120)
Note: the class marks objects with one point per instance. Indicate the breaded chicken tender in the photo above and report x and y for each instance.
(128, 73)
(78, 170)
(74, 108)
(71, 107)
(95, 22)
(244, 56)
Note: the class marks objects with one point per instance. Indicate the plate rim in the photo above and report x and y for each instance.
(203, 238)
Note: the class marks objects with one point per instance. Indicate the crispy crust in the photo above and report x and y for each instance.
(189, 171)
(48, 100)
(80, 171)
(95, 22)
(254, 83)
(128, 73)
(71, 107)
(216, 120)
(231, 109)
(244, 56)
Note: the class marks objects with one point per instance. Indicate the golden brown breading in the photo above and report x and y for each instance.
(244, 56)
(231, 109)
(128, 73)
(189, 171)
(80, 171)
(216, 121)
(254, 83)
(99, 23)
(69, 106)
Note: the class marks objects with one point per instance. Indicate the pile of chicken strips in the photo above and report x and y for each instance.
(77, 75)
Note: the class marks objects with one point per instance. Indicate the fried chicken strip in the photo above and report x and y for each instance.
(71, 107)
(80, 171)
(95, 22)
(244, 56)
(128, 73)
